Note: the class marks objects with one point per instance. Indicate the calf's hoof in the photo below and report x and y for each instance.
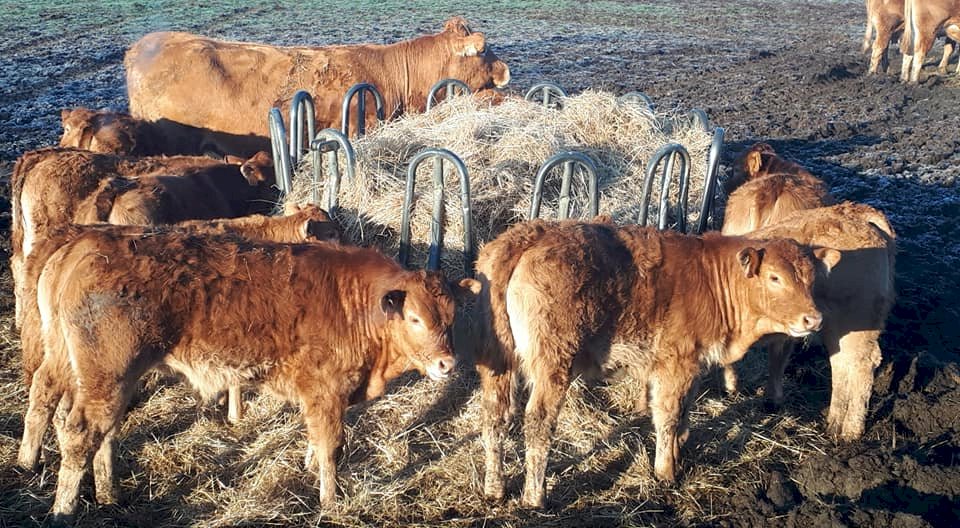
(110, 495)
(532, 501)
(493, 492)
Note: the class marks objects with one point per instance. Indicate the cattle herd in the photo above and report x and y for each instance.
(134, 248)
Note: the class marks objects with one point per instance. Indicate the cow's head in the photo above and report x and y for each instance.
(256, 170)
(97, 131)
(748, 165)
(470, 58)
(779, 285)
(420, 320)
(315, 224)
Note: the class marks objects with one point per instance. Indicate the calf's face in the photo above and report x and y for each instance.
(96, 131)
(420, 321)
(780, 276)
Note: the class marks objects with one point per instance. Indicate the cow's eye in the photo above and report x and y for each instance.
(774, 279)
(415, 320)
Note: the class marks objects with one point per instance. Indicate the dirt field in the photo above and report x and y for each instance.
(789, 73)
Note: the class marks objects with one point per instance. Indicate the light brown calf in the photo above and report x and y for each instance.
(855, 299)
(922, 21)
(885, 23)
(562, 298)
(321, 325)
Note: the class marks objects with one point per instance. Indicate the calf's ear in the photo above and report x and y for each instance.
(754, 162)
(65, 113)
(466, 289)
(392, 304)
(749, 259)
(829, 257)
(471, 45)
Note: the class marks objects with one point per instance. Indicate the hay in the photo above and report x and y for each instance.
(502, 147)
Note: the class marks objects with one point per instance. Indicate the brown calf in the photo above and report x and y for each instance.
(321, 325)
(563, 298)
(301, 224)
(855, 299)
(51, 187)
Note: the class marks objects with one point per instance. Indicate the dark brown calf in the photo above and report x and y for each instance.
(325, 326)
(563, 298)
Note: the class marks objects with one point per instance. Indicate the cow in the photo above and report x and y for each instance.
(229, 87)
(111, 132)
(300, 224)
(922, 21)
(885, 23)
(855, 299)
(50, 187)
(321, 325)
(561, 298)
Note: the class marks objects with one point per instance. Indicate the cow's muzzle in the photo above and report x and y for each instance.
(440, 368)
(809, 323)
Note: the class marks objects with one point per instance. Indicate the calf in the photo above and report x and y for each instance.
(922, 21)
(110, 132)
(855, 299)
(765, 187)
(51, 187)
(301, 224)
(885, 23)
(321, 325)
(562, 298)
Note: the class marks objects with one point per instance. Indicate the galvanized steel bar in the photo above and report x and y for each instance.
(453, 86)
(637, 97)
(666, 153)
(699, 116)
(436, 223)
(547, 91)
(710, 186)
(302, 118)
(281, 156)
(362, 89)
(569, 159)
(331, 140)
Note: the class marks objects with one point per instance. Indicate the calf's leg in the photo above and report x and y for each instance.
(853, 358)
(669, 387)
(548, 387)
(324, 418)
(234, 403)
(104, 473)
(497, 400)
(779, 351)
(45, 393)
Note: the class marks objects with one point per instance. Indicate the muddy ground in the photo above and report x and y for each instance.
(789, 73)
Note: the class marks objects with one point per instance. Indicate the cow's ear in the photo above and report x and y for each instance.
(65, 114)
(233, 160)
(392, 304)
(754, 162)
(457, 26)
(749, 259)
(828, 257)
(472, 45)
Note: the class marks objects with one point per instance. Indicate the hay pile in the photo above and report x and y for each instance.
(503, 147)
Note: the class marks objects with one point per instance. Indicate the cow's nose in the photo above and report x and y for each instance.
(812, 322)
(441, 367)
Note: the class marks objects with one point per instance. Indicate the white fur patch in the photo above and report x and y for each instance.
(26, 210)
(519, 322)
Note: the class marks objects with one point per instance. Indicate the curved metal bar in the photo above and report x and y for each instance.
(331, 140)
(436, 224)
(569, 159)
(710, 186)
(281, 156)
(302, 112)
(362, 89)
(667, 152)
(637, 97)
(453, 86)
(699, 116)
(547, 91)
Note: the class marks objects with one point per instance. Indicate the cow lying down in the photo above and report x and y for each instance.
(562, 298)
(321, 325)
